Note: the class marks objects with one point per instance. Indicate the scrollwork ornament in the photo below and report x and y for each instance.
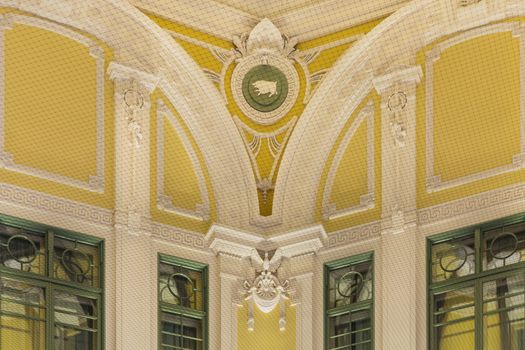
(266, 290)
(133, 100)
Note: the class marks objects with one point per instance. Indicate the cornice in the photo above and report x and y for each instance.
(241, 244)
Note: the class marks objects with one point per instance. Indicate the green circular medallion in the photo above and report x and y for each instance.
(265, 88)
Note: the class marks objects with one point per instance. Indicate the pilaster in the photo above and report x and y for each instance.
(135, 259)
(398, 227)
(242, 268)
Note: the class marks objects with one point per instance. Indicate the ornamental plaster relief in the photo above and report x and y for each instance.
(387, 45)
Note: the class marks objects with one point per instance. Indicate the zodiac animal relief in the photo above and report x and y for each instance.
(265, 87)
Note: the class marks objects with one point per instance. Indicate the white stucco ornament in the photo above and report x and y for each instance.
(265, 83)
(266, 290)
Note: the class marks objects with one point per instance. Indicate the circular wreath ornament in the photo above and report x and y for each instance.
(19, 243)
(504, 245)
(265, 87)
(350, 284)
(172, 286)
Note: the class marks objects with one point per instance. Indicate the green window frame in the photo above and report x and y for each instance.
(51, 288)
(476, 287)
(183, 304)
(349, 303)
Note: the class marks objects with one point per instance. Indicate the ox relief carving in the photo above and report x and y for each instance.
(265, 83)
(266, 290)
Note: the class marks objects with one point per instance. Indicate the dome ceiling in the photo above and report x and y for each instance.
(305, 19)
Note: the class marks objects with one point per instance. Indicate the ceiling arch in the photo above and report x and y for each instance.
(141, 44)
(394, 42)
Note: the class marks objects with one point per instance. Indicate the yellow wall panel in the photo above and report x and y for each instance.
(180, 179)
(50, 113)
(351, 180)
(266, 333)
(50, 102)
(476, 115)
(350, 187)
(476, 106)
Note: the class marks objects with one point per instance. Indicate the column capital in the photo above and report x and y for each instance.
(119, 72)
(402, 75)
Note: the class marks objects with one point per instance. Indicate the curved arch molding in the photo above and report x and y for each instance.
(141, 44)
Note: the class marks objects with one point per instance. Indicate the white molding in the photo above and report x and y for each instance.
(388, 45)
(117, 71)
(164, 202)
(401, 75)
(221, 246)
(178, 236)
(471, 204)
(233, 235)
(367, 200)
(45, 204)
(229, 309)
(270, 138)
(353, 235)
(94, 183)
(140, 43)
(224, 21)
(311, 246)
(433, 181)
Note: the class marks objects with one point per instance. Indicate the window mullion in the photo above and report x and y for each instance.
(479, 251)
(478, 291)
(50, 252)
(478, 312)
(50, 315)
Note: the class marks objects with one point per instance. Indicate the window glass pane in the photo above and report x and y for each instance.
(75, 322)
(22, 250)
(350, 331)
(504, 313)
(504, 246)
(181, 332)
(454, 258)
(181, 286)
(76, 262)
(351, 284)
(22, 316)
(453, 319)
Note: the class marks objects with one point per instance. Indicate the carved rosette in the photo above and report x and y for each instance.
(265, 84)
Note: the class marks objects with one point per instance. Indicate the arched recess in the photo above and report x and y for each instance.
(392, 43)
(141, 44)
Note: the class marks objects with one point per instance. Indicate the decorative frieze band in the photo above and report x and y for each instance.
(354, 234)
(177, 236)
(471, 204)
(51, 204)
